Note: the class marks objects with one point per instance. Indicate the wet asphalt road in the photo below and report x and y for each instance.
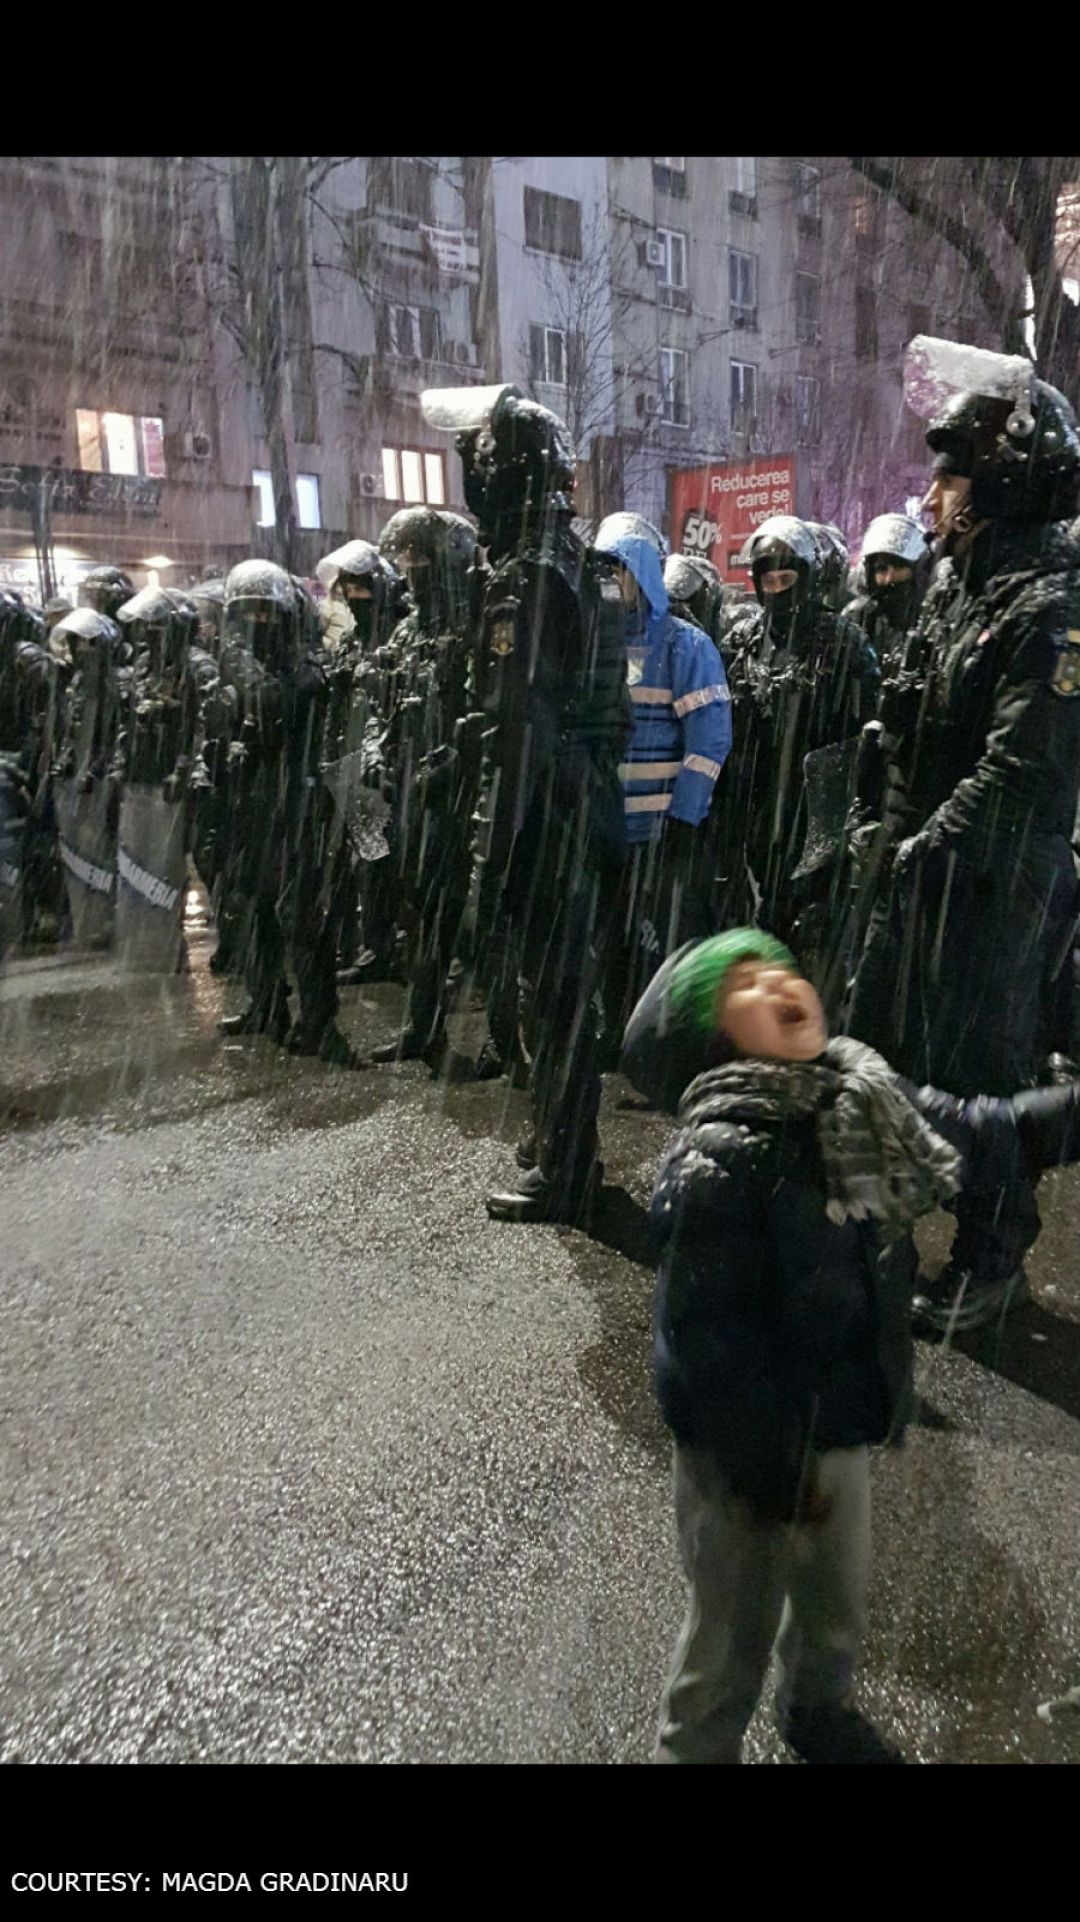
(306, 1460)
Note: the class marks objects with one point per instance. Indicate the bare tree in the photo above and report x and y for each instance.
(984, 206)
(587, 303)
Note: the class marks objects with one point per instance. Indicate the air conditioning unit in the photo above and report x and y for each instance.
(197, 445)
(654, 403)
(653, 253)
(369, 484)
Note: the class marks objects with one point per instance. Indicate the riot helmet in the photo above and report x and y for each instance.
(262, 612)
(517, 458)
(693, 583)
(355, 574)
(833, 560)
(161, 626)
(208, 597)
(784, 553)
(106, 589)
(993, 422)
(893, 567)
(353, 571)
(88, 636)
(631, 527)
(433, 550)
(56, 609)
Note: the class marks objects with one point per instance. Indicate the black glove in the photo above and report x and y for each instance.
(681, 840)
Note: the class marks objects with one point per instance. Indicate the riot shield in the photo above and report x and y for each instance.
(88, 852)
(360, 808)
(151, 866)
(12, 828)
(829, 775)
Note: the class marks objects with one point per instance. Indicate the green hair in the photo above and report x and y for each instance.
(695, 981)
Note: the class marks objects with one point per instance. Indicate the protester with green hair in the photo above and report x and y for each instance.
(783, 1213)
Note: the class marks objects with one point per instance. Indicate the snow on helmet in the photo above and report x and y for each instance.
(260, 581)
(358, 560)
(628, 527)
(781, 531)
(897, 536)
(1014, 436)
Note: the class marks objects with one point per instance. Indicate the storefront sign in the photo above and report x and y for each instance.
(714, 509)
(73, 492)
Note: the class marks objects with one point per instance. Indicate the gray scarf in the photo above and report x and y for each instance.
(882, 1161)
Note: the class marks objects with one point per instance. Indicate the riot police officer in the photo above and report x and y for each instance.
(696, 592)
(105, 590)
(158, 753)
(894, 571)
(272, 660)
(358, 619)
(433, 752)
(833, 563)
(86, 787)
(965, 980)
(804, 683)
(31, 687)
(551, 681)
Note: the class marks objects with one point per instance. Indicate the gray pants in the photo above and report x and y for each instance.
(753, 1584)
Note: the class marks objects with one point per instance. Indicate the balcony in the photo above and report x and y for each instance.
(744, 204)
(744, 319)
(677, 298)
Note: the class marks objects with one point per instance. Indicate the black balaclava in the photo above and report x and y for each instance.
(365, 615)
(781, 610)
(897, 601)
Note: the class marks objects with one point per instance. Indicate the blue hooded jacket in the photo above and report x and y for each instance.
(681, 703)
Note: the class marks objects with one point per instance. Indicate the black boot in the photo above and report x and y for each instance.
(834, 1733)
(536, 1198)
(266, 1017)
(326, 1043)
(410, 1045)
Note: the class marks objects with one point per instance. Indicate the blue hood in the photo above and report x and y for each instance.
(645, 565)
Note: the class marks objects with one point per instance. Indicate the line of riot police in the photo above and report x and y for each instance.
(503, 757)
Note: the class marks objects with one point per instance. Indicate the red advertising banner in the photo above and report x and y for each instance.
(714, 509)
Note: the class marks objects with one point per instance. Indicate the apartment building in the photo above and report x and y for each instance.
(185, 344)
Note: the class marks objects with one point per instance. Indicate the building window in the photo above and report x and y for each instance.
(405, 185)
(553, 224)
(308, 504)
(743, 196)
(808, 188)
(120, 443)
(669, 176)
(808, 309)
(412, 333)
(673, 270)
(868, 219)
(412, 474)
(807, 410)
(547, 356)
(743, 396)
(866, 342)
(674, 387)
(742, 283)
